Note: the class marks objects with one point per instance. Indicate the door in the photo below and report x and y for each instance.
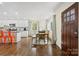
(70, 30)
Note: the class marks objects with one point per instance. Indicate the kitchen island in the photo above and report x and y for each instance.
(9, 36)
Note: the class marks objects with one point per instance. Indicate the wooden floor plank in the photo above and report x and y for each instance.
(25, 48)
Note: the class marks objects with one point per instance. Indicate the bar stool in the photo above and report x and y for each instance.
(4, 37)
(1, 36)
(11, 37)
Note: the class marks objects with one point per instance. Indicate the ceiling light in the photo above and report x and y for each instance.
(5, 13)
(24, 18)
(16, 13)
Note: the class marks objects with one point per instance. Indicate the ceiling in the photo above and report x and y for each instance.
(27, 10)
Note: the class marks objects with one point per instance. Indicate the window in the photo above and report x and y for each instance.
(69, 15)
(72, 14)
(65, 17)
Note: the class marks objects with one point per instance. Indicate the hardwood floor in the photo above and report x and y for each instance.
(25, 48)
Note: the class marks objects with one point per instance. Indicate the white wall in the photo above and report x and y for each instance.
(22, 23)
(58, 20)
(42, 25)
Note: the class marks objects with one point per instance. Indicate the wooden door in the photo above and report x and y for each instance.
(70, 30)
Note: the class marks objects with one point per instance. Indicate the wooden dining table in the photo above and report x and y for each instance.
(42, 36)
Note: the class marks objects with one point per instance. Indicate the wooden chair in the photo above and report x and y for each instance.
(42, 35)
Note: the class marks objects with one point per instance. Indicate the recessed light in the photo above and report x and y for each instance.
(16, 13)
(24, 18)
(5, 13)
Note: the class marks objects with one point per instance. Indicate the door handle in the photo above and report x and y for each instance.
(76, 33)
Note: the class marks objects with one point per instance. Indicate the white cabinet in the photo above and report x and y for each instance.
(18, 37)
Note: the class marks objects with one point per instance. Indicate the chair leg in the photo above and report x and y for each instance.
(39, 41)
(44, 41)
